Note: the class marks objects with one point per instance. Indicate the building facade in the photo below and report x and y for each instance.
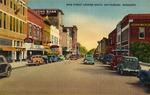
(67, 41)
(13, 21)
(56, 17)
(34, 37)
(74, 38)
(54, 37)
(132, 28)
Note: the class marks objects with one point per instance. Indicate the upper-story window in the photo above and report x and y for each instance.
(0, 19)
(11, 4)
(5, 21)
(21, 27)
(11, 23)
(141, 32)
(30, 30)
(5, 2)
(34, 32)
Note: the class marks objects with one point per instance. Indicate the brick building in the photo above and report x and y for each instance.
(132, 28)
(34, 37)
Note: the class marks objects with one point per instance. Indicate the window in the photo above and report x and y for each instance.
(37, 33)
(0, 19)
(23, 10)
(40, 34)
(14, 6)
(30, 30)
(141, 32)
(4, 2)
(14, 24)
(10, 4)
(34, 32)
(18, 43)
(14, 43)
(1, 1)
(20, 26)
(10, 23)
(5, 21)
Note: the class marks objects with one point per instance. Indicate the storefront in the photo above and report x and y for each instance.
(12, 53)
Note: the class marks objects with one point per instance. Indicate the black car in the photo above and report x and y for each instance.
(144, 77)
(5, 67)
(128, 65)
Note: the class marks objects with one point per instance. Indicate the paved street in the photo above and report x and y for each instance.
(70, 78)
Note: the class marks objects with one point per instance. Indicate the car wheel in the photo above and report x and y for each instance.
(141, 80)
(121, 71)
(8, 72)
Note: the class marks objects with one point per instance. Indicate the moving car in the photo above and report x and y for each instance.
(5, 67)
(89, 59)
(36, 60)
(115, 61)
(73, 57)
(144, 77)
(128, 64)
(108, 58)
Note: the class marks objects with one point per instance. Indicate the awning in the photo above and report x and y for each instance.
(54, 46)
(6, 48)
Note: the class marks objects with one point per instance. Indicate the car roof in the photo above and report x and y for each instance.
(130, 57)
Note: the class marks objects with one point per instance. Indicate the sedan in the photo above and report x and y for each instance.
(89, 59)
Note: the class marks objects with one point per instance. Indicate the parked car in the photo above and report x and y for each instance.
(144, 77)
(36, 60)
(47, 59)
(115, 61)
(108, 58)
(54, 58)
(128, 64)
(61, 57)
(73, 57)
(89, 59)
(5, 67)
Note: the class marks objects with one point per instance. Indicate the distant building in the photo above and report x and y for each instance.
(55, 16)
(102, 48)
(67, 41)
(54, 33)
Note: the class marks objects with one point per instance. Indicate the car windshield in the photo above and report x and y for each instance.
(131, 63)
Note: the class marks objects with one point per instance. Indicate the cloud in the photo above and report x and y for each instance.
(90, 28)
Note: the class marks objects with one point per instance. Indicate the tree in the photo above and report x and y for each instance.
(83, 50)
(91, 51)
(141, 50)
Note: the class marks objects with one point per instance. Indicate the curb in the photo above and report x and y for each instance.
(145, 64)
(19, 67)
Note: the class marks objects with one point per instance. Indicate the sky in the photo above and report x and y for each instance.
(94, 19)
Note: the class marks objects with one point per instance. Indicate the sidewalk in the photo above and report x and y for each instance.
(18, 64)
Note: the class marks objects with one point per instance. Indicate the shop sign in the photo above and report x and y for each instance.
(38, 42)
(140, 24)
